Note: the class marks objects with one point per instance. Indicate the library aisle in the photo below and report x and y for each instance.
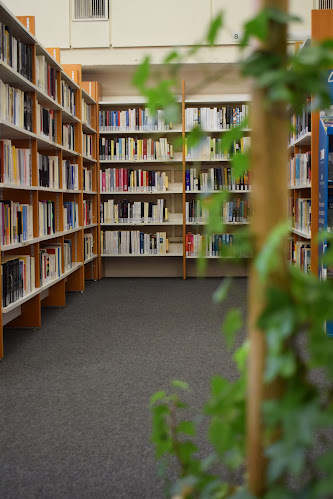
(76, 422)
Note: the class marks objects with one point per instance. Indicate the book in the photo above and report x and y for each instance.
(133, 243)
(133, 119)
(15, 164)
(134, 211)
(128, 179)
(134, 149)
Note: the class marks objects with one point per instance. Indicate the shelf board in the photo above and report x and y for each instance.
(90, 259)
(18, 29)
(300, 186)
(8, 247)
(69, 152)
(90, 192)
(19, 187)
(68, 80)
(14, 132)
(202, 160)
(175, 249)
(68, 117)
(37, 291)
(46, 101)
(218, 130)
(140, 132)
(13, 78)
(175, 189)
(90, 226)
(88, 128)
(87, 98)
(304, 140)
(220, 257)
(305, 235)
(88, 159)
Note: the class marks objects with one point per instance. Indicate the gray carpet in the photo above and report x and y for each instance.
(74, 395)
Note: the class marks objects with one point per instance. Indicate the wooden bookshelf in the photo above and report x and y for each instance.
(25, 311)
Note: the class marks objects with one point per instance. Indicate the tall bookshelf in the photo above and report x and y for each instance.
(42, 172)
(175, 195)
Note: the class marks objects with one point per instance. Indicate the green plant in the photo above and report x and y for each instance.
(297, 305)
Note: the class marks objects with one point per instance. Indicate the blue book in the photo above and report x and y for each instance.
(142, 243)
(187, 180)
(127, 119)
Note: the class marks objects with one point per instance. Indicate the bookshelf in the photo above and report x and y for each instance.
(41, 189)
(121, 121)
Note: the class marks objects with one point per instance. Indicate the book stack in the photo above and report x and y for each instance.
(87, 142)
(86, 113)
(87, 179)
(15, 106)
(46, 77)
(300, 255)
(301, 124)
(88, 246)
(15, 53)
(16, 222)
(209, 245)
(68, 254)
(133, 243)
(46, 218)
(15, 164)
(50, 262)
(46, 122)
(215, 118)
(132, 120)
(87, 212)
(71, 215)
(70, 175)
(68, 136)
(236, 211)
(17, 276)
(48, 171)
(126, 179)
(302, 215)
(211, 148)
(134, 149)
(299, 171)
(215, 179)
(68, 98)
(134, 212)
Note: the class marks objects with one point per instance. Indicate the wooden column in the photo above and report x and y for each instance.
(184, 179)
(269, 159)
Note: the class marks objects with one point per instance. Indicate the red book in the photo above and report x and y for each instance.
(140, 119)
(117, 180)
(141, 179)
(144, 148)
(125, 179)
(186, 245)
(2, 161)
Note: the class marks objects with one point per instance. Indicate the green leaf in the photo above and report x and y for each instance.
(180, 384)
(221, 292)
(142, 73)
(214, 28)
(240, 163)
(257, 27)
(156, 397)
(231, 325)
(241, 355)
(218, 384)
(186, 427)
(280, 16)
(242, 494)
(280, 365)
(171, 57)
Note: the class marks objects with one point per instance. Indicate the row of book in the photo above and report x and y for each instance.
(134, 212)
(87, 179)
(16, 222)
(49, 173)
(88, 246)
(87, 144)
(15, 53)
(211, 148)
(301, 124)
(15, 164)
(299, 171)
(46, 212)
(46, 78)
(50, 263)
(302, 215)
(68, 136)
(236, 211)
(71, 215)
(210, 245)
(126, 179)
(46, 124)
(87, 212)
(17, 277)
(67, 101)
(132, 120)
(215, 118)
(215, 179)
(86, 113)
(15, 106)
(300, 255)
(134, 149)
(133, 243)
(68, 263)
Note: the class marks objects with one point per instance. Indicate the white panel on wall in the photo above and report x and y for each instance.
(148, 23)
(88, 34)
(52, 19)
(235, 14)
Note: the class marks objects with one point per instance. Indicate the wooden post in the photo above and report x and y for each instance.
(269, 159)
(184, 177)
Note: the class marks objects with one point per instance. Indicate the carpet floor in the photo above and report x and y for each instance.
(75, 420)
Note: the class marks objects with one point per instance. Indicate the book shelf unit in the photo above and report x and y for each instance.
(175, 196)
(37, 227)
